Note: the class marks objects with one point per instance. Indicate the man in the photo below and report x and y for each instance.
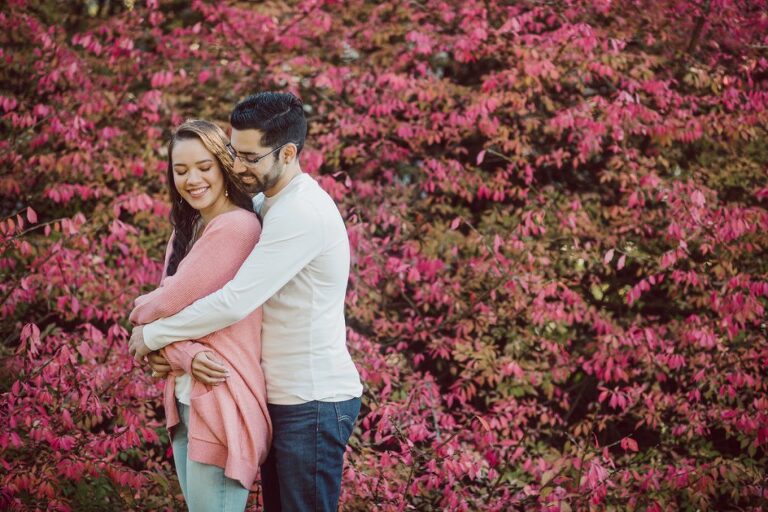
(298, 271)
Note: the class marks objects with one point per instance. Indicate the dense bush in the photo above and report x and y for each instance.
(558, 218)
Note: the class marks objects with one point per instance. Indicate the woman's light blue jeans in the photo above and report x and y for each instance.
(205, 486)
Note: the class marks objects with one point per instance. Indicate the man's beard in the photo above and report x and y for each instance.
(262, 184)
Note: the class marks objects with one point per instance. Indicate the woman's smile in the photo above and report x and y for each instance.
(198, 192)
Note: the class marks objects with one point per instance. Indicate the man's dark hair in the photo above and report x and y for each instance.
(278, 115)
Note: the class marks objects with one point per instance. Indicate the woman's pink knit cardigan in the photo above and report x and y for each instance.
(229, 423)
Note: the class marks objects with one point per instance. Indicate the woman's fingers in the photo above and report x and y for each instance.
(158, 363)
(160, 367)
(211, 364)
(205, 379)
(207, 370)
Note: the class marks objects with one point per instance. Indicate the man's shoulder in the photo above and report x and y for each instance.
(308, 207)
(295, 211)
(319, 198)
(307, 198)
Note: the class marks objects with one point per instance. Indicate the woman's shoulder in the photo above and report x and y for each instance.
(238, 222)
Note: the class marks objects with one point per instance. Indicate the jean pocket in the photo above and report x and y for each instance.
(205, 418)
(346, 415)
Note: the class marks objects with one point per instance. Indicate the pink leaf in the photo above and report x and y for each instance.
(629, 444)
(697, 198)
(484, 423)
(480, 157)
(608, 257)
(31, 215)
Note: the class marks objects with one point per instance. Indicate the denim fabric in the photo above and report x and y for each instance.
(205, 487)
(303, 469)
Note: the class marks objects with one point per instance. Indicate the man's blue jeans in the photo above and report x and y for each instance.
(302, 472)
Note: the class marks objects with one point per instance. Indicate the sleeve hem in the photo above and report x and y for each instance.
(150, 338)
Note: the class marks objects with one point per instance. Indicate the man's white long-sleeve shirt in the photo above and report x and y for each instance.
(298, 271)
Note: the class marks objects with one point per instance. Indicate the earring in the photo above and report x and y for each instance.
(226, 193)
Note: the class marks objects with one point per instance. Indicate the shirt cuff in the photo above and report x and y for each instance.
(151, 337)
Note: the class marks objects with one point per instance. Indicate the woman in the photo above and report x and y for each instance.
(220, 433)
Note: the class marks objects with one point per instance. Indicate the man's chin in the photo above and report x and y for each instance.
(251, 187)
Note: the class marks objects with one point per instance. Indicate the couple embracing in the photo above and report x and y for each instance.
(247, 324)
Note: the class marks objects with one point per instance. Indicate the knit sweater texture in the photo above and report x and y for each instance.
(229, 423)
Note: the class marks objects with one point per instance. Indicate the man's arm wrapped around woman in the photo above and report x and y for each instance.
(211, 262)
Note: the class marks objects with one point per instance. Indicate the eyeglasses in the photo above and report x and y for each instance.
(251, 161)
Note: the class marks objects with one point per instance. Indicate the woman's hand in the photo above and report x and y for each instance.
(208, 370)
(160, 366)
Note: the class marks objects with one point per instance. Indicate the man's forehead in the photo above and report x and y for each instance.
(247, 141)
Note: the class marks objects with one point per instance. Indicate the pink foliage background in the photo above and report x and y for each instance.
(558, 219)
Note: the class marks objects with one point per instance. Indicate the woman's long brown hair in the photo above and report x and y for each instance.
(183, 216)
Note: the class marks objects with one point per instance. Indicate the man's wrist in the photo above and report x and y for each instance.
(150, 337)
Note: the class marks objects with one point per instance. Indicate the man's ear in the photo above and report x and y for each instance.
(289, 153)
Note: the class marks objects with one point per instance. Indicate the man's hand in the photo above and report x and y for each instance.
(160, 366)
(136, 346)
(208, 370)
